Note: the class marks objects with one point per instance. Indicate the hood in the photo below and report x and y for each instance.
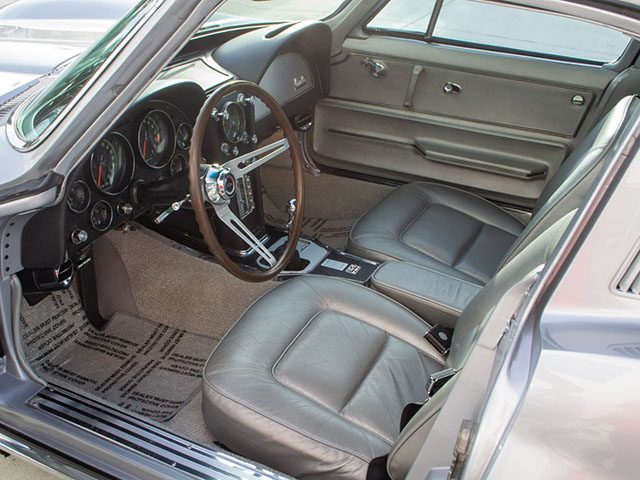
(37, 36)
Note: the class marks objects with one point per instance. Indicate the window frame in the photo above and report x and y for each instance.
(429, 38)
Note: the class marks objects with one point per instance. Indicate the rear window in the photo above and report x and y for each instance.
(491, 26)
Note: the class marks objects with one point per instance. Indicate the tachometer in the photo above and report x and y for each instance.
(234, 122)
(156, 139)
(79, 197)
(112, 164)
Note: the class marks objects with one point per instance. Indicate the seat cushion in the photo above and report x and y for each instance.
(439, 227)
(313, 378)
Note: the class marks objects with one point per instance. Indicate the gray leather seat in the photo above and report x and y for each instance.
(461, 234)
(312, 380)
(315, 375)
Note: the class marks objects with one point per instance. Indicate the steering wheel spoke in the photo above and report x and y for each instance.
(215, 184)
(230, 219)
(248, 162)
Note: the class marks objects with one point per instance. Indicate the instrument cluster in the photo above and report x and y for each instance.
(152, 143)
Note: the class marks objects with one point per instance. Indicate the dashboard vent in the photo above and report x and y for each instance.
(629, 283)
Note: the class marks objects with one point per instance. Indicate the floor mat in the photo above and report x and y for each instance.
(147, 368)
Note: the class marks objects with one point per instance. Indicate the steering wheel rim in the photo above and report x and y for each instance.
(201, 188)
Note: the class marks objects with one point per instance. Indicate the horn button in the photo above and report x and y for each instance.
(220, 184)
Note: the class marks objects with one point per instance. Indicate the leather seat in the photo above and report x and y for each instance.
(458, 233)
(315, 375)
(438, 227)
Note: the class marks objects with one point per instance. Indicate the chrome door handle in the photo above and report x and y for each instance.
(377, 69)
(451, 88)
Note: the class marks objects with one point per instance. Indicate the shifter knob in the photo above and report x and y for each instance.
(291, 210)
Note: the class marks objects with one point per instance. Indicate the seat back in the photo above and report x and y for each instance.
(570, 184)
(470, 326)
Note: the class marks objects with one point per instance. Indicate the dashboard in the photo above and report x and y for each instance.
(139, 167)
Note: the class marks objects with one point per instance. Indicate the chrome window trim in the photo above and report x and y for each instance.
(22, 145)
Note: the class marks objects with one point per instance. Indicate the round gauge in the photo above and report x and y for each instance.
(183, 136)
(79, 197)
(101, 216)
(233, 122)
(112, 164)
(156, 139)
(178, 164)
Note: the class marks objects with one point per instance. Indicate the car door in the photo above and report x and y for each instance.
(485, 96)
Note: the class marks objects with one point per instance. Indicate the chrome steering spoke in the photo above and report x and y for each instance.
(248, 162)
(229, 218)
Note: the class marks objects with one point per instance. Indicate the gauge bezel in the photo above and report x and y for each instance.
(225, 120)
(130, 161)
(175, 157)
(173, 132)
(183, 124)
(110, 219)
(79, 182)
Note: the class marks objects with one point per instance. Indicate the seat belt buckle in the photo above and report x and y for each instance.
(438, 380)
(440, 337)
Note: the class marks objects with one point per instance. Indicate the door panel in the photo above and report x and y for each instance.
(504, 133)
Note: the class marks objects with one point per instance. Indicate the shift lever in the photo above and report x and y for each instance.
(291, 210)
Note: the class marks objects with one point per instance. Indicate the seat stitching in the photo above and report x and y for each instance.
(366, 375)
(304, 394)
(285, 424)
(468, 244)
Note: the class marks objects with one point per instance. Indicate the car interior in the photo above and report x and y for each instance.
(290, 253)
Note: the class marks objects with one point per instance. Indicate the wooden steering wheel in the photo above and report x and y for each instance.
(216, 184)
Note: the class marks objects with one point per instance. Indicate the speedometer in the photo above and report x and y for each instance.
(156, 139)
(112, 164)
(233, 122)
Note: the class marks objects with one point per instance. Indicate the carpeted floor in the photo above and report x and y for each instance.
(151, 369)
(144, 367)
(333, 204)
(176, 286)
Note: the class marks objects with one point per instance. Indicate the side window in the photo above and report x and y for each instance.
(479, 24)
(405, 16)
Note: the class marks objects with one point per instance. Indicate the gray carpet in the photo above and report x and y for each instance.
(144, 367)
(333, 204)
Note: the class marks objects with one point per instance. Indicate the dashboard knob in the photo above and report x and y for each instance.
(225, 148)
(236, 151)
(245, 138)
(125, 209)
(254, 139)
(78, 236)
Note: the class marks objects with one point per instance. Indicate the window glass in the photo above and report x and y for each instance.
(527, 30)
(410, 16)
(504, 27)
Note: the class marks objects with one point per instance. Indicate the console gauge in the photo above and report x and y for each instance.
(157, 139)
(101, 216)
(178, 164)
(112, 164)
(183, 136)
(79, 197)
(234, 122)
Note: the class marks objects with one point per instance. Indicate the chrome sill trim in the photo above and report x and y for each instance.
(144, 438)
(41, 457)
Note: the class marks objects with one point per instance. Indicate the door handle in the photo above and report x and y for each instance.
(377, 69)
(451, 88)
